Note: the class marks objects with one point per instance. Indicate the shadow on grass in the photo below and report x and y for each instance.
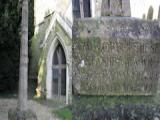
(110, 101)
(115, 108)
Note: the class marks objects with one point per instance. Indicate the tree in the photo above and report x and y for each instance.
(9, 46)
(22, 113)
(23, 70)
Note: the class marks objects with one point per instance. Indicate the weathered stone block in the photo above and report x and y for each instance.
(116, 56)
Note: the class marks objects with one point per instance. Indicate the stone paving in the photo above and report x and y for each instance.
(43, 112)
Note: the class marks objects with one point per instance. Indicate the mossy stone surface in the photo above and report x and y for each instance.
(113, 56)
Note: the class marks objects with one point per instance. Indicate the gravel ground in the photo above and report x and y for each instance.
(42, 111)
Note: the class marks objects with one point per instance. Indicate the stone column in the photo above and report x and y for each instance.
(105, 8)
(98, 4)
(126, 9)
(150, 13)
(159, 13)
(116, 7)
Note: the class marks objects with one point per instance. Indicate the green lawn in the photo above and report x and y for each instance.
(110, 101)
(63, 113)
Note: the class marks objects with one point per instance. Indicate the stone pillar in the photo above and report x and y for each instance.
(159, 13)
(150, 13)
(116, 7)
(105, 8)
(126, 9)
(97, 8)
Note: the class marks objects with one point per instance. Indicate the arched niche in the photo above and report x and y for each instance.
(51, 64)
(59, 72)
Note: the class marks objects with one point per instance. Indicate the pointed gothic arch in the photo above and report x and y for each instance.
(57, 43)
(59, 72)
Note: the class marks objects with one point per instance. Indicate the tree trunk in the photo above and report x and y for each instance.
(23, 70)
(23, 113)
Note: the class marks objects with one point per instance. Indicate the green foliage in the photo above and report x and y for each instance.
(64, 113)
(8, 95)
(9, 44)
(109, 101)
(10, 18)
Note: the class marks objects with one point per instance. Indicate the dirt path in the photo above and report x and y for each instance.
(42, 112)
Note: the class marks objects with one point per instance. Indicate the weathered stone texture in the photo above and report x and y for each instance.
(115, 8)
(105, 8)
(116, 56)
(126, 10)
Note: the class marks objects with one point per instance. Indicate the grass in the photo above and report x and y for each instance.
(59, 110)
(110, 101)
(63, 113)
(83, 105)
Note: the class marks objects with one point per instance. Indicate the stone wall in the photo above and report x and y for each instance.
(116, 56)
